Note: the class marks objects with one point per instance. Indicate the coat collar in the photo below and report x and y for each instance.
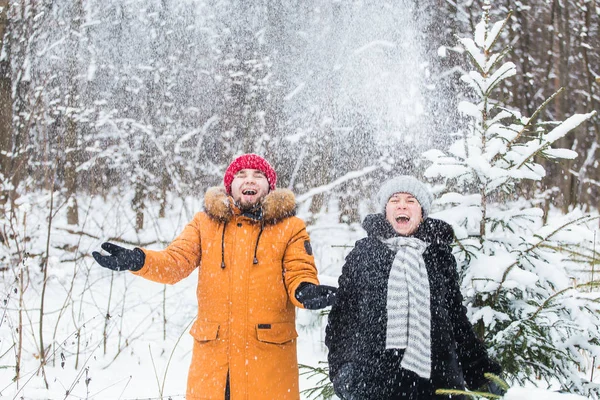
(430, 231)
(277, 205)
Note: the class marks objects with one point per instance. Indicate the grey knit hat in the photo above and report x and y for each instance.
(404, 184)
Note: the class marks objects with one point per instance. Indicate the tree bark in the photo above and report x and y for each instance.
(71, 156)
(6, 127)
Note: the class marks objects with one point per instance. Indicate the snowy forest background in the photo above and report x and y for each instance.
(116, 116)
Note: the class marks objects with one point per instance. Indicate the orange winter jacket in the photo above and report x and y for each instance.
(248, 273)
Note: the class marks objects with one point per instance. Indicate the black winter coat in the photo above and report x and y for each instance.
(356, 331)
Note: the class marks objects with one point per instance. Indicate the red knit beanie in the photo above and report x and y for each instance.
(249, 161)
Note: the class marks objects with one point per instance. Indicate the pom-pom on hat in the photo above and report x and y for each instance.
(249, 161)
(404, 184)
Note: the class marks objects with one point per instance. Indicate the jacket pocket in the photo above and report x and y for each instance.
(204, 331)
(277, 333)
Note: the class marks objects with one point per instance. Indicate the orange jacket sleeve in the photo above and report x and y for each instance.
(298, 261)
(178, 260)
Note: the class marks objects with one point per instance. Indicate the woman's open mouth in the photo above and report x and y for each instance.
(402, 219)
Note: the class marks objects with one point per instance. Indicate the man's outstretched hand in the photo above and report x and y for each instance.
(314, 297)
(120, 259)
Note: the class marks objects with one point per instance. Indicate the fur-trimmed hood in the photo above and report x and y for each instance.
(277, 205)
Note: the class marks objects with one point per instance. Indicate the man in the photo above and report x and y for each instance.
(255, 265)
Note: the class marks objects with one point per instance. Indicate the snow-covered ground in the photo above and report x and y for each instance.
(116, 336)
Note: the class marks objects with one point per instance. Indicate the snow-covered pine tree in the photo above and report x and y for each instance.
(522, 278)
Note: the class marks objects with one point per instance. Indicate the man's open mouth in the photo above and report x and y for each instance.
(249, 192)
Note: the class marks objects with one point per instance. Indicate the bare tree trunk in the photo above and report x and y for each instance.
(586, 171)
(6, 131)
(163, 194)
(567, 183)
(349, 204)
(321, 174)
(71, 123)
(71, 171)
(138, 205)
(42, 350)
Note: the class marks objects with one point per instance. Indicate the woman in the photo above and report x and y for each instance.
(398, 329)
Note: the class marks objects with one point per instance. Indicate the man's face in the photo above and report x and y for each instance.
(404, 212)
(249, 187)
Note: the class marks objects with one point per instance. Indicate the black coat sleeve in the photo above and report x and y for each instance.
(472, 353)
(341, 320)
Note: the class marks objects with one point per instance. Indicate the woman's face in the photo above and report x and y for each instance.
(404, 212)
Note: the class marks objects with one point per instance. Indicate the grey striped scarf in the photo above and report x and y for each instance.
(408, 310)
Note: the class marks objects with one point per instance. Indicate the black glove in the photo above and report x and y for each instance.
(314, 297)
(494, 388)
(120, 259)
(345, 382)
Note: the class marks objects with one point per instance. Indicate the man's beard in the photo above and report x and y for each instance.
(249, 207)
